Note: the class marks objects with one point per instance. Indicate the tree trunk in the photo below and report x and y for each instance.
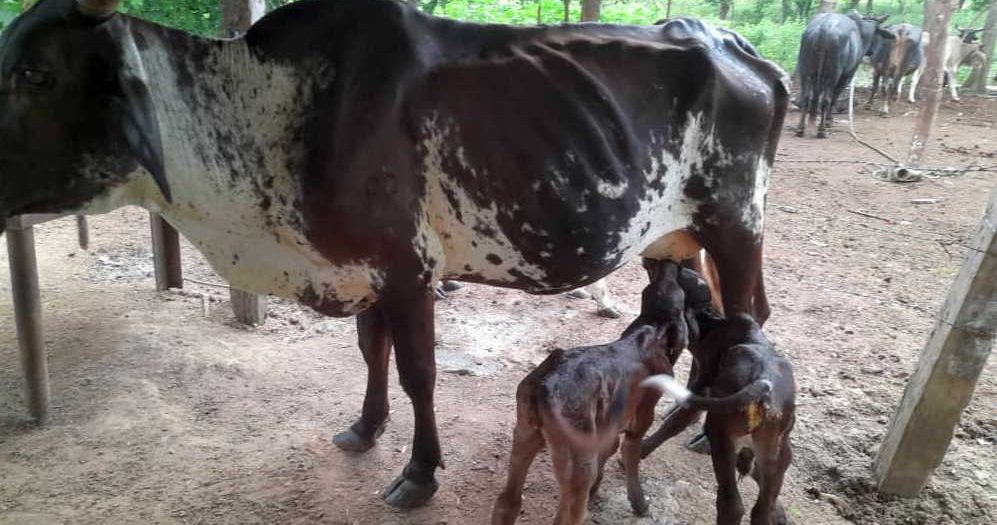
(567, 10)
(590, 10)
(989, 37)
(238, 15)
(786, 11)
(725, 9)
(937, 14)
(828, 6)
(668, 9)
(868, 7)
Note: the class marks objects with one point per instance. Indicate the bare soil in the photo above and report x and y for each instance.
(161, 414)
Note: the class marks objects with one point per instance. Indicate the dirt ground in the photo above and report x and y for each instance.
(161, 414)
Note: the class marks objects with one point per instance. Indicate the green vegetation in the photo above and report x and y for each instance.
(773, 26)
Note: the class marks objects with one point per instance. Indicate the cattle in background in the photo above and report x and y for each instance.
(892, 60)
(831, 49)
(348, 154)
(957, 53)
(969, 36)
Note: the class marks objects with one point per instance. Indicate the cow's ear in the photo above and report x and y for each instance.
(885, 34)
(141, 130)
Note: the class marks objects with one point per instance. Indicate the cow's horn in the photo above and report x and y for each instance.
(97, 8)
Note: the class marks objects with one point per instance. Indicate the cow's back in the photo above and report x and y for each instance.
(535, 157)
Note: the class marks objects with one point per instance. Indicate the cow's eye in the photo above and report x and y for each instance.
(34, 77)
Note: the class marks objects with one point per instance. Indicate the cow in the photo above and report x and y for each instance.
(349, 154)
(957, 53)
(831, 49)
(892, 60)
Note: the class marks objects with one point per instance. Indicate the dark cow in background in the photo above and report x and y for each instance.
(351, 153)
(831, 49)
(892, 60)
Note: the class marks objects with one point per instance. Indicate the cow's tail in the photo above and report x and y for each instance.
(751, 393)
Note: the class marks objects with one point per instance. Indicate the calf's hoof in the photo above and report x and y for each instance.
(352, 441)
(609, 312)
(640, 507)
(405, 493)
(579, 293)
(699, 444)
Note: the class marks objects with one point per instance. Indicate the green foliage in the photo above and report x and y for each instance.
(760, 21)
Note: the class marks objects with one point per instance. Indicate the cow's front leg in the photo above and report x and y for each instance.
(410, 317)
(374, 340)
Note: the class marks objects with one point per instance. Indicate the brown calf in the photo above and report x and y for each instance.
(578, 402)
(751, 395)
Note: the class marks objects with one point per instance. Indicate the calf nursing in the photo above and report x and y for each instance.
(748, 393)
(579, 401)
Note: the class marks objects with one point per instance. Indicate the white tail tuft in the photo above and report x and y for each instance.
(668, 385)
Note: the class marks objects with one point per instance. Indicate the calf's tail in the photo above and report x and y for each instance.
(602, 434)
(749, 394)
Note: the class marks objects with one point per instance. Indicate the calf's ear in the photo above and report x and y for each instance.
(141, 130)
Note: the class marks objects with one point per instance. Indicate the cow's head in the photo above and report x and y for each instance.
(969, 36)
(76, 118)
(870, 27)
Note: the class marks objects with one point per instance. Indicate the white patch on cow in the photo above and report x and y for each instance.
(227, 152)
(494, 257)
(754, 217)
(612, 190)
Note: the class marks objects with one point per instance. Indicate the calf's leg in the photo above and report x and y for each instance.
(527, 442)
(631, 451)
(374, 339)
(575, 475)
(675, 422)
(730, 508)
(411, 319)
(773, 454)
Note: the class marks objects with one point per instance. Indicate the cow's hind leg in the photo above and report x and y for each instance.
(411, 319)
(374, 340)
(604, 300)
(737, 253)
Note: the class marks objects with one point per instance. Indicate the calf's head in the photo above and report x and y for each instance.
(76, 117)
(663, 301)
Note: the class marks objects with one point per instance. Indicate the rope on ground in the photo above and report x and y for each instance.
(897, 171)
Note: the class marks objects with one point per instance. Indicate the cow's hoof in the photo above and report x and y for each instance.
(609, 312)
(821, 135)
(440, 294)
(884, 113)
(780, 515)
(699, 444)
(580, 293)
(452, 286)
(351, 441)
(799, 133)
(406, 494)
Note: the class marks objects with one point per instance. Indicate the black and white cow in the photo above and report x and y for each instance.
(351, 153)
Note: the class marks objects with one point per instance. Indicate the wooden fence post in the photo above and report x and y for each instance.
(28, 315)
(947, 371)
(165, 254)
(237, 17)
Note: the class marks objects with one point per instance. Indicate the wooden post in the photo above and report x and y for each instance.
(591, 10)
(989, 38)
(28, 315)
(937, 14)
(165, 254)
(237, 17)
(947, 371)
